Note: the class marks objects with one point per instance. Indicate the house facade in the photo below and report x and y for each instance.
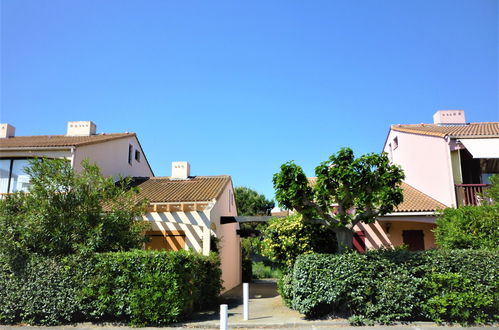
(446, 164)
(184, 210)
(117, 154)
(449, 160)
(185, 213)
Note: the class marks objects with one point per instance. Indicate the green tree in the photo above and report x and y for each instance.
(346, 191)
(66, 212)
(250, 203)
(284, 239)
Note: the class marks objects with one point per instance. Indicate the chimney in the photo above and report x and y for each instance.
(180, 170)
(81, 128)
(449, 117)
(7, 131)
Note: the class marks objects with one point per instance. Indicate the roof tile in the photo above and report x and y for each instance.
(193, 189)
(40, 141)
(466, 130)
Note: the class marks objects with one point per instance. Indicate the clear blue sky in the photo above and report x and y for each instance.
(240, 87)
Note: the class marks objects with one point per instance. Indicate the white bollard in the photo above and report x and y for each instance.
(245, 301)
(223, 317)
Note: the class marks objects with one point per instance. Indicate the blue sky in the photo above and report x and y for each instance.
(240, 87)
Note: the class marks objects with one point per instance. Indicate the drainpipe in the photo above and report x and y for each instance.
(72, 157)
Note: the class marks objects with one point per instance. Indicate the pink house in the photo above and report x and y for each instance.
(446, 164)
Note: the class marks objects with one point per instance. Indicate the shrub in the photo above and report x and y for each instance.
(41, 291)
(386, 286)
(287, 238)
(151, 287)
(137, 287)
(469, 227)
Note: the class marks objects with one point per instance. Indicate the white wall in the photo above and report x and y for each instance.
(426, 162)
(230, 243)
(112, 158)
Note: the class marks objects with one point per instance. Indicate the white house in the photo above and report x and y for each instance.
(116, 154)
(185, 213)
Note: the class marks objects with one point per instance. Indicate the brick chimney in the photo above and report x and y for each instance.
(7, 131)
(449, 117)
(81, 128)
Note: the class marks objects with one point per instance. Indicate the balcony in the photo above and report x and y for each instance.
(470, 194)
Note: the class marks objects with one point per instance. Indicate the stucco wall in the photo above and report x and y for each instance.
(230, 244)
(426, 162)
(377, 237)
(112, 158)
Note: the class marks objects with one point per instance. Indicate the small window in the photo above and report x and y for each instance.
(395, 143)
(137, 156)
(130, 150)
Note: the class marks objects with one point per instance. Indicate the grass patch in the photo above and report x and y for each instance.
(262, 269)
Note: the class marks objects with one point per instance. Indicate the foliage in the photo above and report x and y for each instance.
(385, 286)
(468, 227)
(250, 203)
(287, 238)
(136, 287)
(455, 297)
(262, 269)
(347, 190)
(493, 191)
(67, 212)
(43, 291)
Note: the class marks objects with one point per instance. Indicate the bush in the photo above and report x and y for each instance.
(137, 287)
(386, 286)
(469, 227)
(287, 238)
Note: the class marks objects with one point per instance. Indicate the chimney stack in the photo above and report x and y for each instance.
(180, 170)
(449, 117)
(7, 131)
(81, 128)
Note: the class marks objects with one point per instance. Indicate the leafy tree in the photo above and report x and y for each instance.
(287, 238)
(250, 203)
(346, 191)
(66, 212)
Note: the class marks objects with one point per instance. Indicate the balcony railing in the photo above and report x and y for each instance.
(470, 194)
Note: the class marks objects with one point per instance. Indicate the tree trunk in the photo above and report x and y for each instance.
(344, 237)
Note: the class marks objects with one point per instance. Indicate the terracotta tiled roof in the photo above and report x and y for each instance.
(416, 201)
(40, 141)
(193, 189)
(466, 130)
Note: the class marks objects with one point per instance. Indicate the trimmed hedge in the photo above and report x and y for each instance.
(396, 285)
(137, 287)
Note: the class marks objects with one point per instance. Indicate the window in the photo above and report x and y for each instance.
(130, 150)
(137, 156)
(395, 143)
(12, 175)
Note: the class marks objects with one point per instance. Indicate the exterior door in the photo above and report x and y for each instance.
(414, 239)
(359, 241)
(165, 240)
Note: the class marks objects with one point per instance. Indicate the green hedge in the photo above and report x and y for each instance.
(137, 287)
(396, 285)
